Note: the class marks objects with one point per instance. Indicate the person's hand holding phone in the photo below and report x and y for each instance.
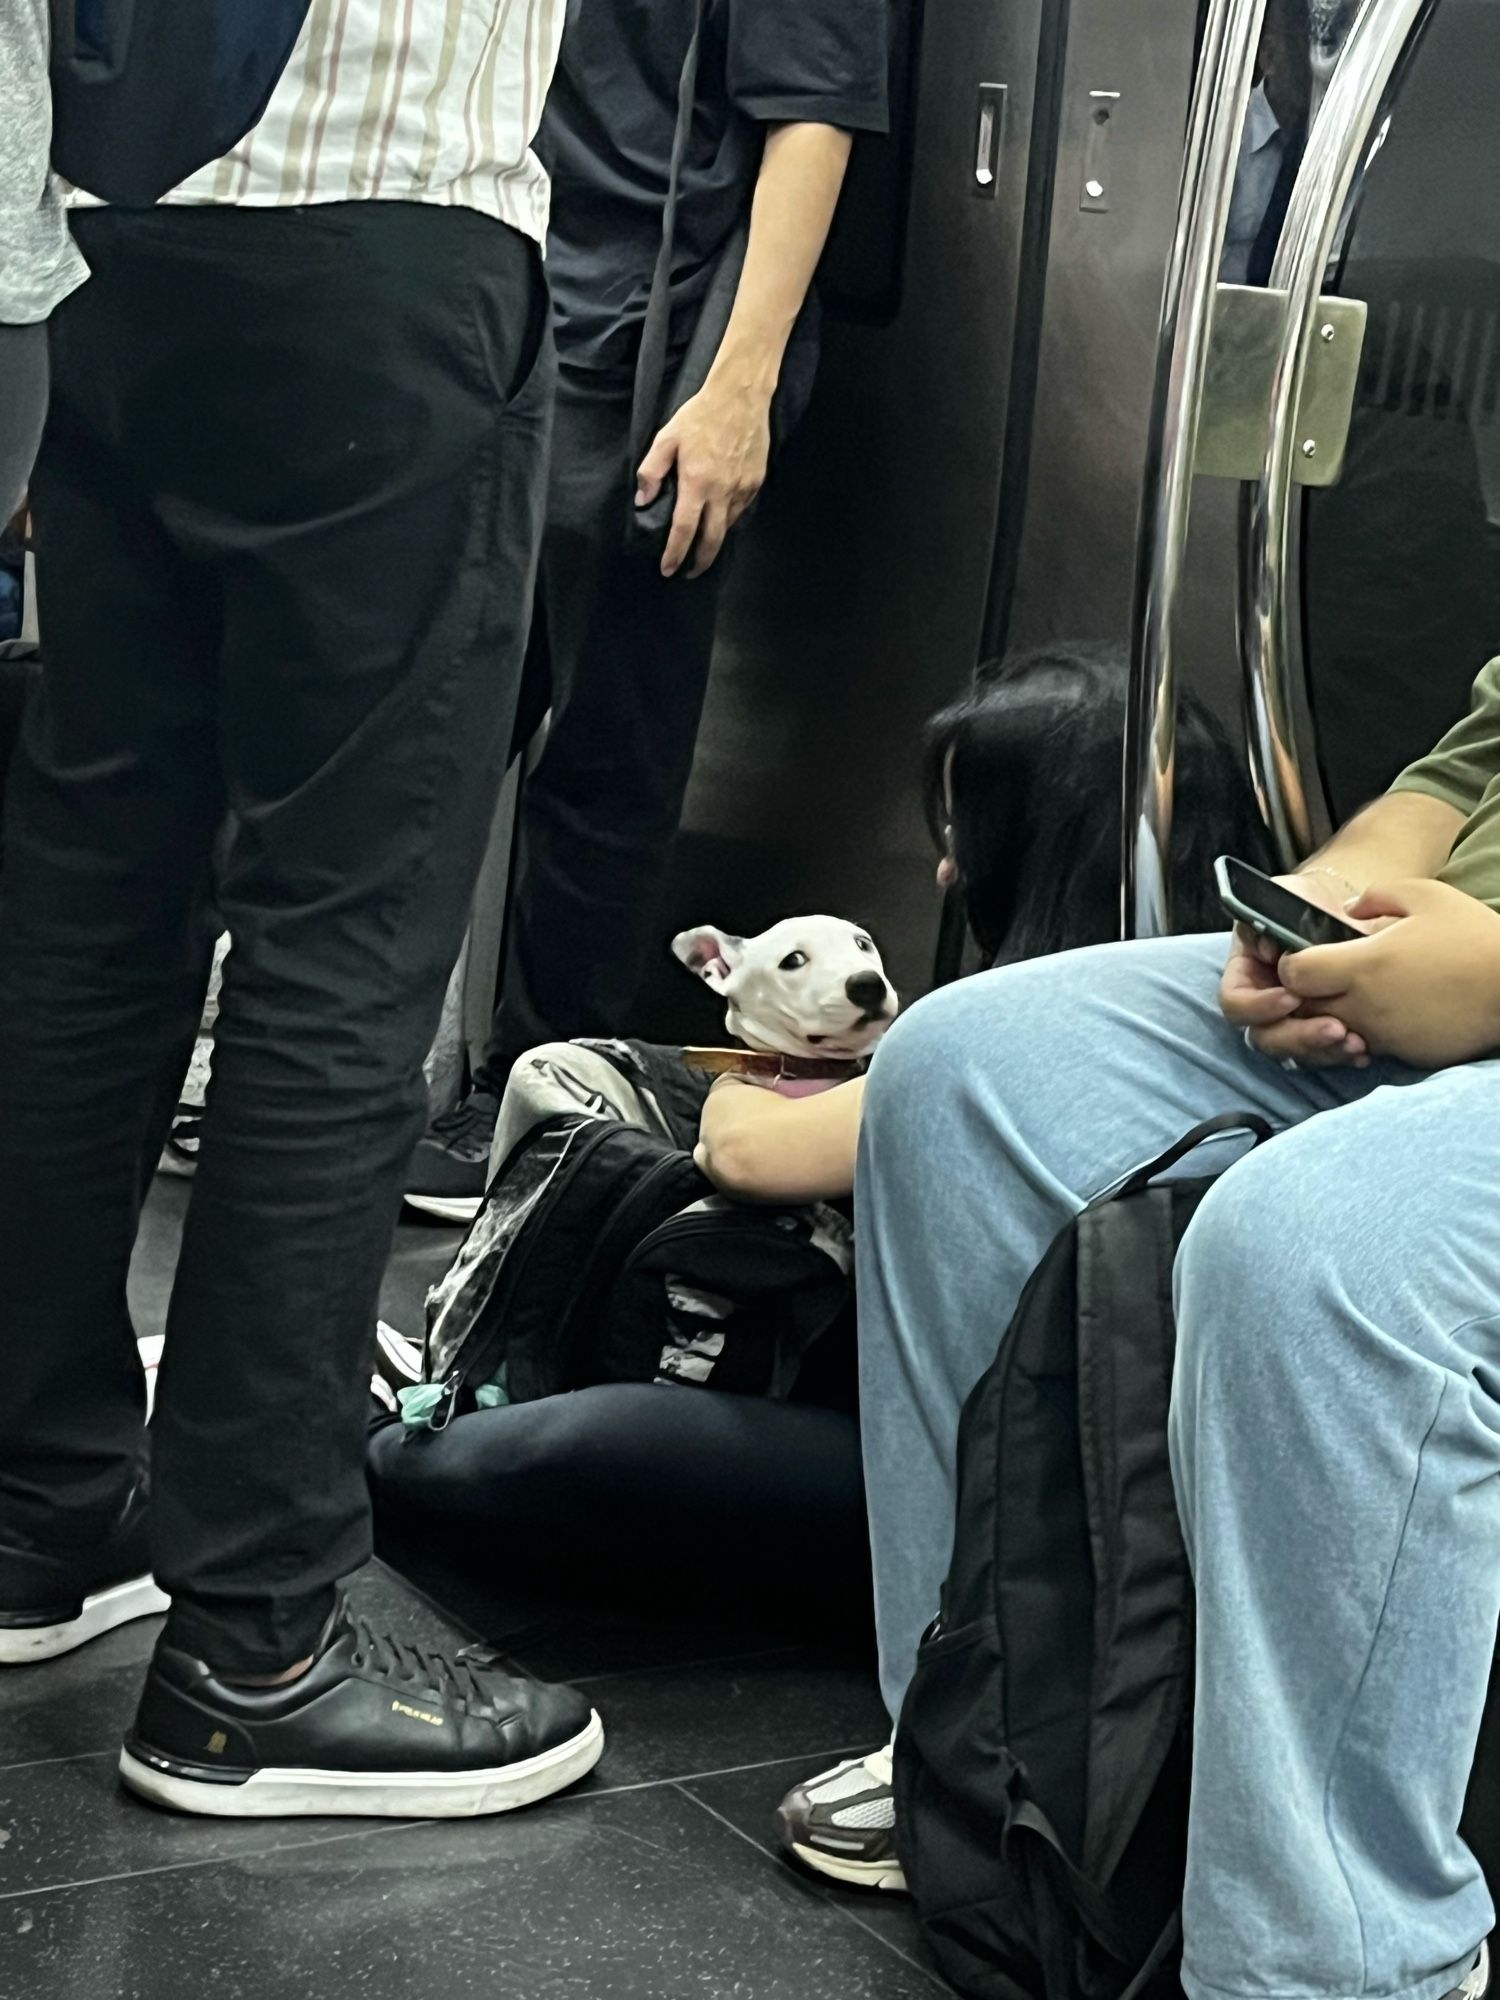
(1422, 987)
(1282, 1024)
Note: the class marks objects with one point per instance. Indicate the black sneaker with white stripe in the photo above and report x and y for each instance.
(450, 1168)
(375, 1727)
(398, 1361)
(179, 1155)
(50, 1605)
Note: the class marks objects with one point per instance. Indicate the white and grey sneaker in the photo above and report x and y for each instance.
(1476, 1982)
(843, 1823)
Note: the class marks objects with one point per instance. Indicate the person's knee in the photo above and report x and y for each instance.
(924, 1062)
(991, 1039)
(1258, 1272)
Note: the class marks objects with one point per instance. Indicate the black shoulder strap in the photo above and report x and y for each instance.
(1142, 1592)
(651, 366)
(1137, 1178)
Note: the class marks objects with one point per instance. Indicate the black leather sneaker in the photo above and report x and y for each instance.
(374, 1727)
(50, 1605)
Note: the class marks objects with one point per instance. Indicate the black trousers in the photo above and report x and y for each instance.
(287, 508)
(23, 403)
(633, 1487)
(624, 655)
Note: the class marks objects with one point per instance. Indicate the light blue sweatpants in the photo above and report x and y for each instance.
(1336, 1424)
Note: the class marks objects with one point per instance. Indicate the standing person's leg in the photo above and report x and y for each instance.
(995, 1110)
(113, 802)
(369, 510)
(361, 514)
(23, 406)
(369, 516)
(1336, 1432)
(629, 652)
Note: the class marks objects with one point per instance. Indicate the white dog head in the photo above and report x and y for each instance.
(809, 986)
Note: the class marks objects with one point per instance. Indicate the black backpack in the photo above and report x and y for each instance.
(145, 92)
(1044, 1750)
(603, 1254)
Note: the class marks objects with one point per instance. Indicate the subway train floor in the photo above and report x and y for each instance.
(657, 1879)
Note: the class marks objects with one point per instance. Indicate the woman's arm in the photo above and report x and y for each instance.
(762, 1147)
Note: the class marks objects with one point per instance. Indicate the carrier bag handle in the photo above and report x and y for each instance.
(1139, 1178)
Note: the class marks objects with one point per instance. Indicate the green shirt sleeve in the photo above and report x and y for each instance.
(1467, 761)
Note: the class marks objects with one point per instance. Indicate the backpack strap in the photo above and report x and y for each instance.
(1169, 1941)
(1218, 1127)
(1062, 1898)
(1142, 1588)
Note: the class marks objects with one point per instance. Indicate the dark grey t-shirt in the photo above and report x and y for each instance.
(607, 140)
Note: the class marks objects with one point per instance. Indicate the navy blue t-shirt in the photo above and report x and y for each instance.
(607, 140)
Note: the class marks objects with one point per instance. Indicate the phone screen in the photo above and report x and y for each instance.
(1285, 911)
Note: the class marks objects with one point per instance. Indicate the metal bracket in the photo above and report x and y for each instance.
(989, 138)
(1094, 195)
(1248, 329)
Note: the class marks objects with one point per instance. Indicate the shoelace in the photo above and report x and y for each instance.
(399, 1660)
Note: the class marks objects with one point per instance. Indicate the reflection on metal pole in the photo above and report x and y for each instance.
(1226, 71)
(1345, 134)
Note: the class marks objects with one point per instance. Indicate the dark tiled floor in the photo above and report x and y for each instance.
(656, 1880)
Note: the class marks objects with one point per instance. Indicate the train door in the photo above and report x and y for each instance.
(969, 470)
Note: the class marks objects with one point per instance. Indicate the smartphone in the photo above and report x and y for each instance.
(1271, 911)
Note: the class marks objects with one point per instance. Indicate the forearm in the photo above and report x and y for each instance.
(1405, 836)
(801, 176)
(763, 1147)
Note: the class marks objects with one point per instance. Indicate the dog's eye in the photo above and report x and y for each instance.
(794, 961)
(865, 944)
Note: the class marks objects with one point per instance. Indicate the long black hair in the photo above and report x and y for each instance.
(1028, 760)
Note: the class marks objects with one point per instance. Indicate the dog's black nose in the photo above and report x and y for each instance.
(867, 990)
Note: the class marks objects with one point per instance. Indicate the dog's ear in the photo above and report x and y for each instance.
(712, 954)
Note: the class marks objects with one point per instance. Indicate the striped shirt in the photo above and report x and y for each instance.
(403, 100)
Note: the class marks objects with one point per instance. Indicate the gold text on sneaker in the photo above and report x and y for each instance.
(416, 1714)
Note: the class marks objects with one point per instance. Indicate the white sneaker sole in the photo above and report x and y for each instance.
(858, 1874)
(447, 1208)
(291, 1794)
(126, 1601)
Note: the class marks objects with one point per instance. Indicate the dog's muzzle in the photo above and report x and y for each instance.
(869, 993)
